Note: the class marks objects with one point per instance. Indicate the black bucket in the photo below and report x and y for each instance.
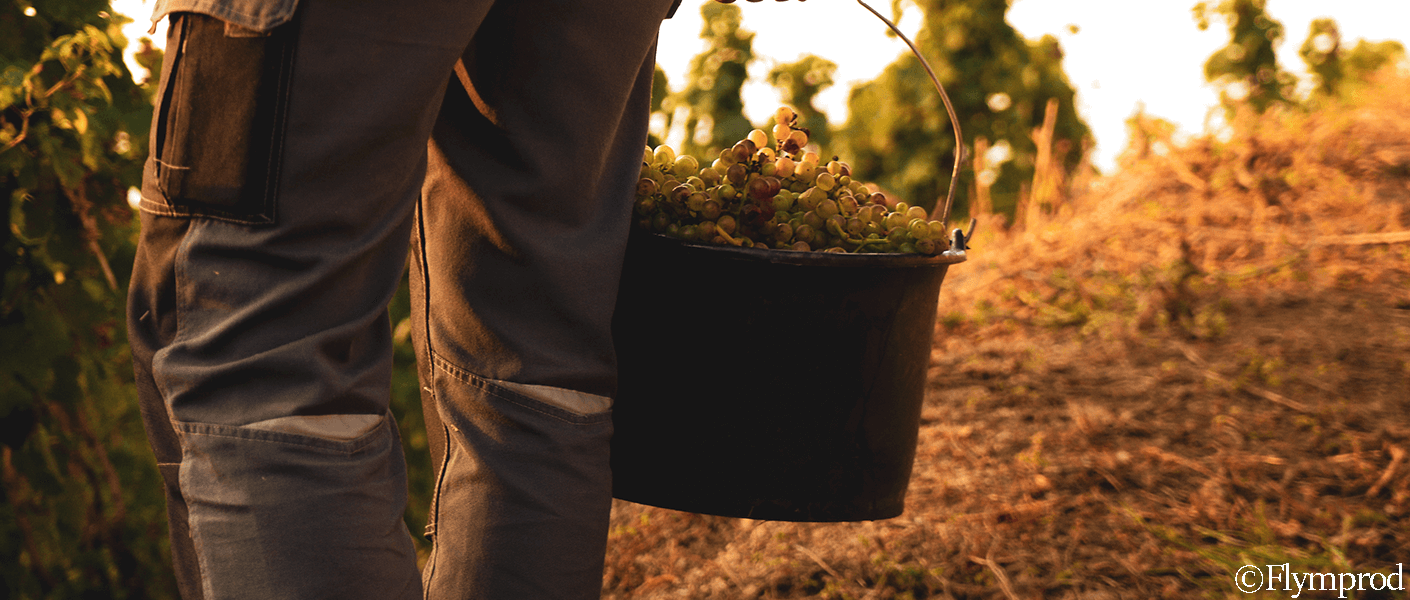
(769, 384)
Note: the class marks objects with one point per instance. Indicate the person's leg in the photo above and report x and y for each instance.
(520, 238)
(277, 210)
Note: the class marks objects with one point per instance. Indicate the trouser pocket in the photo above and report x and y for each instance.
(217, 134)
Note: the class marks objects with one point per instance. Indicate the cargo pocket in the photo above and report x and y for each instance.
(217, 138)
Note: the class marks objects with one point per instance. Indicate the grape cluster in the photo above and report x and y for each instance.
(778, 196)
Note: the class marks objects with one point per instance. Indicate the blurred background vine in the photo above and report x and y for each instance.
(82, 514)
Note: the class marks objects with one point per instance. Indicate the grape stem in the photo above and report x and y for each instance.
(726, 235)
(861, 242)
(960, 151)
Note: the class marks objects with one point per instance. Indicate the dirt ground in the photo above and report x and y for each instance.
(1187, 369)
(1050, 468)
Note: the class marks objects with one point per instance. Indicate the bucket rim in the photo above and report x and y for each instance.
(808, 257)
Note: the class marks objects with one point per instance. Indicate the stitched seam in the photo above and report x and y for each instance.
(283, 442)
(440, 480)
(435, 516)
(425, 282)
(161, 123)
(176, 211)
(517, 399)
(350, 447)
(169, 165)
(464, 376)
(158, 208)
(276, 154)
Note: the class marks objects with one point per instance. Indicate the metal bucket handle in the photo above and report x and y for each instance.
(961, 153)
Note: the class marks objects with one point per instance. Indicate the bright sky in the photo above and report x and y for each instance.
(1126, 53)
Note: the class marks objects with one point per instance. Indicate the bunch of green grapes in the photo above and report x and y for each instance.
(778, 195)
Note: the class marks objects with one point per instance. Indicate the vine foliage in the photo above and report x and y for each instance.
(82, 514)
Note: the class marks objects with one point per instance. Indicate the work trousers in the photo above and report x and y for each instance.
(491, 145)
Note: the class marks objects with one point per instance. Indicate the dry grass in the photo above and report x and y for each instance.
(1199, 363)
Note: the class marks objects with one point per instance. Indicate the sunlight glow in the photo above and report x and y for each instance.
(1117, 53)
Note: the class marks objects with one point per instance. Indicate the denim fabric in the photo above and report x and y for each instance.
(502, 148)
(256, 15)
(523, 494)
(281, 515)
